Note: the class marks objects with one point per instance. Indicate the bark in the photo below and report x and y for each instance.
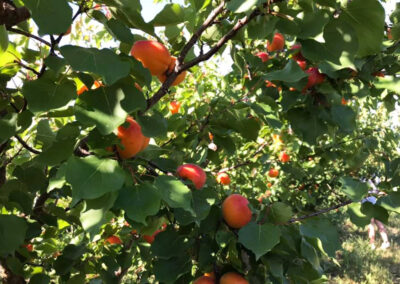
(10, 15)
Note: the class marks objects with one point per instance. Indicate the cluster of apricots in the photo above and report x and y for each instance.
(277, 44)
(156, 57)
(227, 278)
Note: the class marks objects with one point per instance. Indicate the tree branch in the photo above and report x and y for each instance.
(10, 15)
(21, 32)
(301, 218)
(26, 146)
(180, 66)
(26, 67)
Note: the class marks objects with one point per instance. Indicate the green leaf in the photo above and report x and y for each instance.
(309, 252)
(368, 19)
(101, 107)
(261, 27)
(313, 24)
(172, 14)
(175, 193)
(103, 62)
(44, 135)
(390, 202)
(51, 16)
(354, 189)
(168, 244)
(240, 6)
(153, 126)
(356, 216)
(168, 270)
(34, 176)
(12, 233)
(39, 278)
(324, 230)
(8, 127)
(95, 214)
(44, 94)
(92, 177)
(375, 211)
(139, 202)
(280, 213)
(390, 83)
(260, 239)
(345, 117)
(291, 73)
(306, 124)
(3, 39)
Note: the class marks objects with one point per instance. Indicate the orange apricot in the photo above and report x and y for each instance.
(204, 280)
(114, 240)
(235, 211)
(284, 157)
(232, 278)
(194, 173)
(223, 178)
(132, 139)
(174, 107)
(179, 79)
(153, 55)
(278, 43)
(273, 173)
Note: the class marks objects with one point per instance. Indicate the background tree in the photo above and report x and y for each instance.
(240, 169)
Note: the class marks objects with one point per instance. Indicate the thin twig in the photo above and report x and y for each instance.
(26, 67)
(26, 146)
(21, 32)
(301, 218)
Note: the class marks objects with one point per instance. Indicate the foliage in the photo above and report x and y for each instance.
(65, 190)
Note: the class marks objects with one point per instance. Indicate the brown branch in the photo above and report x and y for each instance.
(10, 15)
(240, 24)
(21, 32)
(301, 218)
(26, 146)
(180, 67)
(195, 37)
(26, 67)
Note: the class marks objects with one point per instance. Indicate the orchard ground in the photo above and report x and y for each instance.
(358, 263)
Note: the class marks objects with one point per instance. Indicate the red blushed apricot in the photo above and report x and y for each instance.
(344, 101)
(273, 173)
(302, 64)
(132, 139)
(284, 157)
(278, 43)
(263, 56)
(193, 173)
(297, 54)
(223, 178)
(174, 107)
(204, 280)
(153, 55)
(114, 240)
(235, 211)
(314, 77)
(232, 278)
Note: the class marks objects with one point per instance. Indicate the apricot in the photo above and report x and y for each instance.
(174, 107)
(314, 77)
(263, 56)
(132, 139)
(273, 173)
(284, 157)
(269, 184)
(235, 211)
(114, 240)
(232, 278)
(153, 55)
(297, 54)
(344, 101)
(171, 68)
(194, 173)
(150, 239)
(83, 89)
(29, 247)
(68, 31)
(204, 280)
(302, 64)
(278, 43)
(223, 178)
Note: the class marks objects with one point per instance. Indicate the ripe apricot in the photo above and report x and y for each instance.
(150, 239)
(153, 55)
(29, 247)
(269, 184)
(174, 107)
(314, 77)
(235, 211)
(232, 278)
(263, 56)
(204, 280)
(273, 173)
(114, 240)
(297, 53)
(83, 89)
(344, 101)
(278, 43)
(171, 68)
(302, 64)
(194, 173)
(132, 139)
(210, 274)
(223, 178)
(284, 157)
(68, 31)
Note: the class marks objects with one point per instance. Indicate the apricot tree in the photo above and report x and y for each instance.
(127, 157)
